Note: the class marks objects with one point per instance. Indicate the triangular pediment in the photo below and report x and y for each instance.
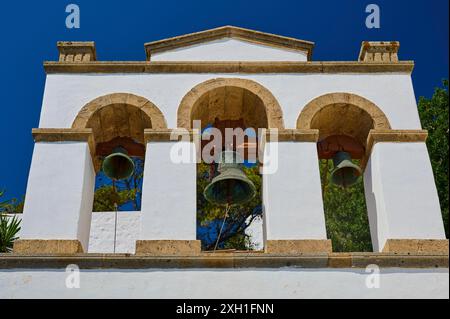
(229, 43)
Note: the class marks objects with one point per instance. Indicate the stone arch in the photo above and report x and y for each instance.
(342, 114)
(308, 113)
(151, 110)
(118, 118)
(273, 110)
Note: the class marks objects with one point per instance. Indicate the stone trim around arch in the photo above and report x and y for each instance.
(273, 109)
(151, 110)
(306, 116)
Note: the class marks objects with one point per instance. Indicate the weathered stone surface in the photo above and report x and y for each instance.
(344, 114)
(65, 135)
(228, 67)
(118, 115)
(35, 246)
(385, 52)
(400, 136)
(313, 108)
(223, 260)
(400, 260)
(168, 247)
(292, 135)
(392, 136)
(76, 52)
(294, 247)
(416, 246)
(340, 260)
(193, 102)
(166, 135)
(121, 101)
(61, 134)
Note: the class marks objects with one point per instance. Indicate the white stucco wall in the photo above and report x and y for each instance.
(229, 49)
(292, 198)
(101, 239)
(59, 193)
(169, 194)
(292, 195)
(226, 283)
(256, 233)
(401, 194)
(65, 95)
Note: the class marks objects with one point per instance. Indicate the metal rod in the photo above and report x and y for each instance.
(221, 228)
(115, 217)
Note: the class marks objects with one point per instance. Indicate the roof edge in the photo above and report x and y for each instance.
(228, 67)
(228, 31)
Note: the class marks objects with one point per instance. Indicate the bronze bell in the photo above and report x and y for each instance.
(118, 165)
(345, 173)
(231, 186)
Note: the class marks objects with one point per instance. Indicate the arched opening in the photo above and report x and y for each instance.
(274, 114)
(344, 122)
(114, 126)
(343, 119)
(230, 103)
(118, 122)
(233, 104)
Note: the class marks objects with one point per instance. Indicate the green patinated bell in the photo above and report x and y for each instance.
(345, 173)
(231, 186)
(118, 165)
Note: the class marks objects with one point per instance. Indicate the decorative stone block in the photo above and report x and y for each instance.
(36, 246)
(77, 52)
(415, 246)
(294, 247)
(379, 52)
(168, 247)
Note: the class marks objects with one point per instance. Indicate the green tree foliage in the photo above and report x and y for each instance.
(12, 206)
(210, 217)
(345, 209)
(345, 214)
(124, 192)
(106, 196)
(434, 117)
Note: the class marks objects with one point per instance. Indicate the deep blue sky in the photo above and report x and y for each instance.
(29, 32)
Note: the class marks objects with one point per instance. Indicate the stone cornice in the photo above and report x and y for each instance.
(392, 136)
(61, 134)
(169, 135)
(53, 67)
(65, 135)
(225, 260)
(274, 135)
(395, 136)
(292, 135)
